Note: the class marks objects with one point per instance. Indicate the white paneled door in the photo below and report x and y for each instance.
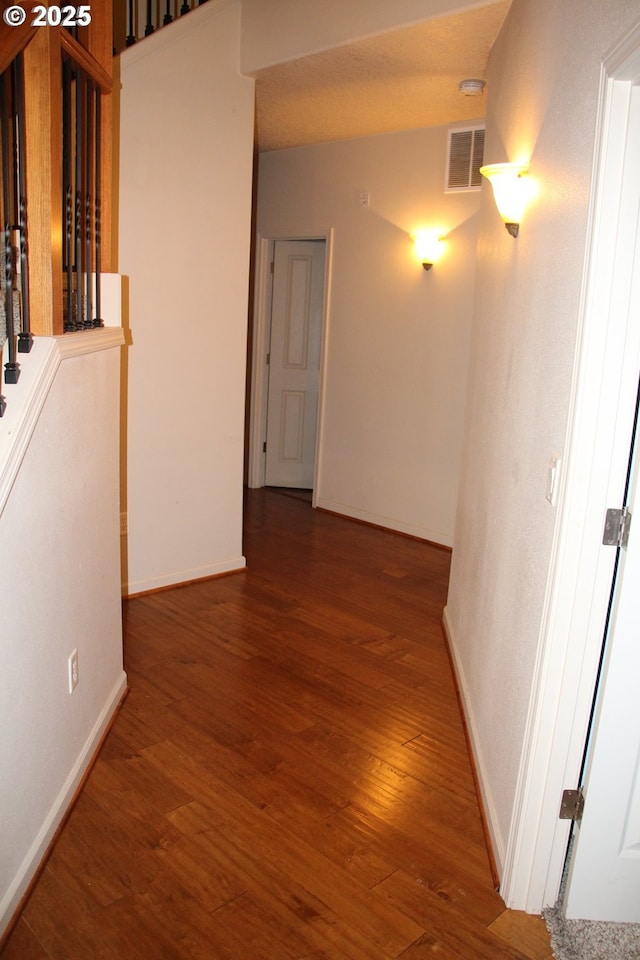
(604, 882)
(294, 362)
(604, 877)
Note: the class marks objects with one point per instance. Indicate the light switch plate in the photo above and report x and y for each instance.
(553, 477)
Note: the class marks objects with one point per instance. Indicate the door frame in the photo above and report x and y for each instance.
(599, 425)
(259, 396)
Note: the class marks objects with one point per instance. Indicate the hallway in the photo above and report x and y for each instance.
(288, 777)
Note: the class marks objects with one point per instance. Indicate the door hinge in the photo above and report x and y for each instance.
(572, 805)
(264, 447)
(268, 359)
(271, 266)
(617, 524)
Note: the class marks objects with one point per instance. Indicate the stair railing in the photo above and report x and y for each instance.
(136, 19)
(55, 196)
(81, 112)
(14, 261)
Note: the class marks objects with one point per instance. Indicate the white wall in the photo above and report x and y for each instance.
(287, 29)
(397, 346)
(544, 98)
(59, 542)
(185, 201)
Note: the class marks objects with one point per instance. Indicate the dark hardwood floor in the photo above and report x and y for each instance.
(288, 777)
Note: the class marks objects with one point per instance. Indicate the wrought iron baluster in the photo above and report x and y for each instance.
(156, 13)
(79, 204)
(11, 368)
(98, 173)
(149, 28)
(25, 339)
(131, 35)
(14, 218)
(88, 160)
(67, 189)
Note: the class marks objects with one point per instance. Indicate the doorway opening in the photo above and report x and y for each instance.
(288, 358)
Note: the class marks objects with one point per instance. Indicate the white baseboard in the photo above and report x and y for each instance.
(497, 842)
(390, 523)
(177, 577)
(20, 884)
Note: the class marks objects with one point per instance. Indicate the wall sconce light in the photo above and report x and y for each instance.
(510, 191)
(428, 246)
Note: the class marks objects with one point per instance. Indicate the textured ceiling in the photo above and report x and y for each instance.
(394, 81)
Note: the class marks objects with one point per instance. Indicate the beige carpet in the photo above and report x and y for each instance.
(590, 939)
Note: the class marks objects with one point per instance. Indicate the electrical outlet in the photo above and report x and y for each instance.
(74, 673)
(123, 524)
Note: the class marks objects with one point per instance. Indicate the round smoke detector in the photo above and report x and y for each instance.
(472, 88)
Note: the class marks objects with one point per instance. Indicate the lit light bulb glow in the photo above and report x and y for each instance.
(428, 246)
(510, 189)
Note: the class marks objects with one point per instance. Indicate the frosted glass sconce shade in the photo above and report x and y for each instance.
(510, 191)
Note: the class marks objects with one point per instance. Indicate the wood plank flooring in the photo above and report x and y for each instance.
(288, 777)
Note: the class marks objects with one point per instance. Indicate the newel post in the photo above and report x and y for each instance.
(43, 143)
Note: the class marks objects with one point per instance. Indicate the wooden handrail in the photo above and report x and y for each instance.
(94, 57)
(86, 61)
(13, 40)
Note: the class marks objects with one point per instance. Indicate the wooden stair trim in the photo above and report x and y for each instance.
(13, 41)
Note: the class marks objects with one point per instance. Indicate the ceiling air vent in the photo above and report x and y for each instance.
(464, 158)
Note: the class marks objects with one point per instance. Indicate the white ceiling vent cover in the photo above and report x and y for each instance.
(465, 153)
